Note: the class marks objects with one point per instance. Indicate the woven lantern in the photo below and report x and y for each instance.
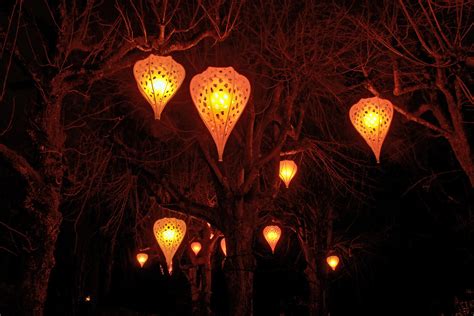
(220, 96)
(372, 117)
(332, 261)
(142, 258)
(223, 247)
(196, 247)
(169, 232)
(288, 170)
(272, 235)
(158, 78)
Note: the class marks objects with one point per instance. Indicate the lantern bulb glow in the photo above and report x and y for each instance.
(332, 261)
(158, 79)
(169, 233)
(142, 259)
(288, 169)
(223, 247)
(272, 234)
(220, 96)
(372, 118)
(196, 247)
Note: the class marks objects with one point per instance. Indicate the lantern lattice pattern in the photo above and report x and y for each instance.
(372, 117)
(332, 261)
(223, 247)
(196, 247)
(288, 170)
(142, 258)
(169, 232)
(220, 96)
(158, 79)
(272, 235)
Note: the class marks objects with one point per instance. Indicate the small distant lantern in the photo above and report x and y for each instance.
(223, 247)
(158, 79)
(272, 235)
(87, 298)
(372, 118)
(333, 261)
(288, 170)
(220, 96)
(169, 232)
(142, 258)
(196, 247)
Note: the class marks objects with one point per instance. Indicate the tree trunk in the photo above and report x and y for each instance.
(43, 232)
(239, 264)
(316, 276)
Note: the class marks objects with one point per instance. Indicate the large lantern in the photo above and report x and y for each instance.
(220, 96)
(169, 232)
(142, 258)
(272, 235)
(158, 78)
(372, 117)
(223, 247)
(333, 261)
(288, 170)
(196, 247)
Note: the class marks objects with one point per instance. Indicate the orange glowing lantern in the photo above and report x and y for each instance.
(142, 258)
(220, 96)
(223, 247)
(272, 235)
(332, 261)
(196, 247)
(371, 118)
(288, 170)
(169, 232)
(158, 79)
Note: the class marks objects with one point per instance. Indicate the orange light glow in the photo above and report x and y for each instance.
(142, 258)
(288, 170)
(87, 298)
(332, 261)
(272, 234)
(223, 247)
(169, 233)
(196, 247)
(372, 118)
(158, 79)
(220, 96)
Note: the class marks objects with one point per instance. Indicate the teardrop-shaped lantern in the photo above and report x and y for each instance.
(196, 247)
(288, 170)
(220, 96)
(223, 247)
(158, 78)
(272, 235)
(371, 118)
(169, 232)
(332, 261)
(142, 258)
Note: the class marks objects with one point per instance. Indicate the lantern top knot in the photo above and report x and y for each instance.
(220, 95)
(158, 79)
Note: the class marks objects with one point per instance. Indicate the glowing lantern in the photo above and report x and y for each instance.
(332, 261)
(142, 258)
(372, 117)
(223, 247)
(220, 96)
(158, 79)
(272, 235)
(169, 232)
(288, 170)
(196, 247)
(87, 298)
